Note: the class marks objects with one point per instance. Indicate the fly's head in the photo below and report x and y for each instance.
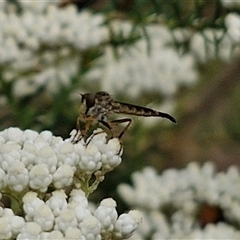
(88, 101)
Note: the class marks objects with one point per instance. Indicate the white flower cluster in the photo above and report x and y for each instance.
(232, 22)
(41, 162)
(29, 160)
(222, 44)
(183, 192)
(212, 44)
(231, 3)
(41, 46)
(135, 70)
(67, 218)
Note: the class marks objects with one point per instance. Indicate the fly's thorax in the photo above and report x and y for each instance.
(96, 105)
(99, 112)
(103, 100)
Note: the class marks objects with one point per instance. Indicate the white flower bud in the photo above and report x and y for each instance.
(63, 176)
(47, 155)
(5, 228)
(66, 219)
(90, 159)
(78, 196)
(30, 203)
(47, 135)
(80, 212)
(44, 217)
(17, 224)
(66, 154)
(55, 235)
(17, 176)
(72, 233)
(14, 134)
(126, 224)
(106, 213)
(110, 157)
(29, 135)
(40, 178)
(29, 154)
(43, 236)
(91, 228)
(29, 231)
(57, 202)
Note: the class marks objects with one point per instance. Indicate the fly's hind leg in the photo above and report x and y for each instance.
(105, 124)
(110, 126)
(117, 122)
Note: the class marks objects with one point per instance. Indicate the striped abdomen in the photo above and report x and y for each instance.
(125, 108)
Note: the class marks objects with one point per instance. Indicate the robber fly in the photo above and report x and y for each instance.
(98, 106)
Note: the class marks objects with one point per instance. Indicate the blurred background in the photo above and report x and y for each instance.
(179, 57)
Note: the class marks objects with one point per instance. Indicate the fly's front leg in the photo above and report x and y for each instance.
(83, 125)
(78, 136)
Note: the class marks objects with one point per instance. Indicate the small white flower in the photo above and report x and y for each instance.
(44, 217)
(106, 213)
(13, 135)
(9, 159)
(111, 158)
(10, 147)
(43, 236)
(126, 224)
(29, 134)
(67, 155)
(145, 192)
(56, 235)
(5, 228)
(46, 135)
(29, 231)
(40, 177)
(30, 203)
(91, 228)
(81, 212)
(90, 159)
(63, 176)
(47, 155)
(57, 202)
(72, 233)
(29, 154)
(78, 196)
(65, 220)
(17, 176)
(17, 224)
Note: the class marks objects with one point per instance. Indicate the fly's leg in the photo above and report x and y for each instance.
(78, 136)
(110, 126)
(119, 121)
(83, 125)
(105, 124)
(116, 123)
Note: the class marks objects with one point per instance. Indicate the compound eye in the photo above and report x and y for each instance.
(88, 99)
